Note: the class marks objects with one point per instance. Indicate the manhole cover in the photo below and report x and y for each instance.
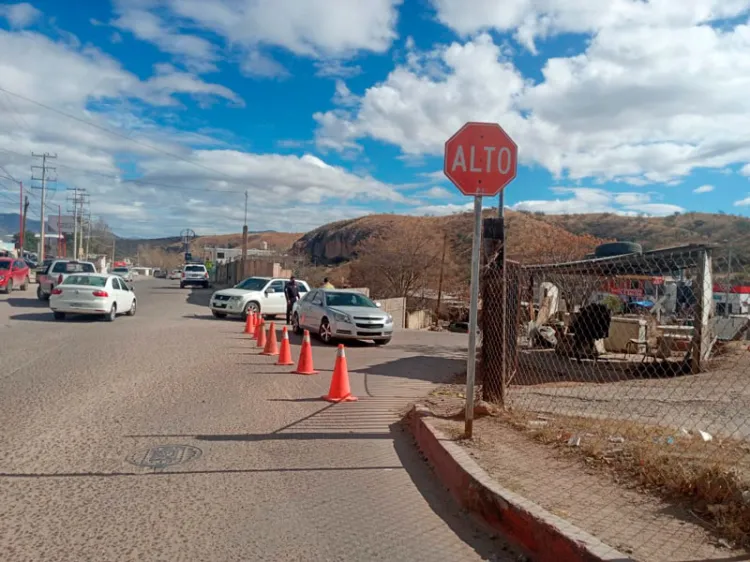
(164, 456)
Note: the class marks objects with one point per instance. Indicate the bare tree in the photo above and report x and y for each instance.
(400, 261)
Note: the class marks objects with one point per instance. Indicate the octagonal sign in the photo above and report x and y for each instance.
(480, 159)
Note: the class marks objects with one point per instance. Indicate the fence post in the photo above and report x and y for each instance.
(493, 345)
(703, 293)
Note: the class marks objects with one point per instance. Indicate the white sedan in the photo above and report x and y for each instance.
(91, 293)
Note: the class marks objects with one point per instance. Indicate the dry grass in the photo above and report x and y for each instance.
(710, 477)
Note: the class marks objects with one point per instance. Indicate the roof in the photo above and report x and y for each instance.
(652, 263)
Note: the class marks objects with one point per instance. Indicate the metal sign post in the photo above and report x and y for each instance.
(471, 361)
(480, 160)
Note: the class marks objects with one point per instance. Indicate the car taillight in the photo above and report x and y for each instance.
(57, 291)
(183, 275)
(206, 275)
(100, 293)
(59, 279)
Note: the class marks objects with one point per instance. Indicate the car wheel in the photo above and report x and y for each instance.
(182, 285)
(9, 287)
(25, 284)
(131, 312)
(325, 332)
(383, 342)
(110, 317)
(205, 285)
(250, 308)
(58, 315)
(295, 324)
(218, 314)
(41, 295)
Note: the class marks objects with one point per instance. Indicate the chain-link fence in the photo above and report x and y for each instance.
(637, 367)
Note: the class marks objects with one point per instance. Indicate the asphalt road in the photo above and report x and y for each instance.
(275, 474)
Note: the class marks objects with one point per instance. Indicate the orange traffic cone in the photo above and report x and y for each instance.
(249, 326)
(261, 335)
(258, 328)
(285, 353)
(340, 390)
(305, 364)
(271, 347)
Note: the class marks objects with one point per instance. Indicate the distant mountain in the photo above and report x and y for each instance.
(9, 223)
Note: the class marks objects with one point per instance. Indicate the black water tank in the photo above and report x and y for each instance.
(617, 249)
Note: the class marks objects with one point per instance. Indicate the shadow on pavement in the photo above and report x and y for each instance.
(47, 317)
(422, 367)
(26, 302)
(439, 499)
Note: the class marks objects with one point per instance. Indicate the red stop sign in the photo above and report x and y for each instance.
(480, 159)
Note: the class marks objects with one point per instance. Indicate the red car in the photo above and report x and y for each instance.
(13, 273)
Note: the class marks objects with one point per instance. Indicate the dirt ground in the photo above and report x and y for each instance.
(613, 508)
(717, 401)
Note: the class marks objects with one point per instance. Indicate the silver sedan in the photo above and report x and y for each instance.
(337, 314)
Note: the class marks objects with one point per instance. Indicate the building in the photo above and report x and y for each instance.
(731, 299)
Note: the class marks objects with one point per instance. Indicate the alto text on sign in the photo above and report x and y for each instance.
(480, 159)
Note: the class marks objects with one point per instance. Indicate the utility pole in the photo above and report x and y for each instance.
(88, 233)
(59, 233)
(45, 172)
(114, 240)
(20, 221)
(23, 221)
(244, 239)
(440, 281)
(76, 201)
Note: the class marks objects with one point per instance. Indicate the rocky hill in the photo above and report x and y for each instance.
(528, 237)
(659, 232)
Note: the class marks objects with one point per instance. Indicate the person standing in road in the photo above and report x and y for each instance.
(327, 284)
(291, 292)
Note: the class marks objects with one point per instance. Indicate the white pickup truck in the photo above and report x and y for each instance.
(56, 271)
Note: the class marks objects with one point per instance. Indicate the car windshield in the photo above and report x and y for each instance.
(252, 284)
(194, 268)
(120, 270)
(4, 264)
(348, 299)
(86, 280)
(73, 267)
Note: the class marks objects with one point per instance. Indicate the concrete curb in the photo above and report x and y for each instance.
(544, 536)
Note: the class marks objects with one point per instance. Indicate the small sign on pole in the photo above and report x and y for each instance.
(480, 160)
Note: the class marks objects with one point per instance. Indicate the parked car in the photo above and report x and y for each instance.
(105, 295)
(56, 272)
(13, 273)
(160, 273)
(262, 295)
(336, 314)
(175, 274)
(124, 272)
(194, 274)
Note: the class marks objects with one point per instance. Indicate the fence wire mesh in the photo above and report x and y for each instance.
(634, 371)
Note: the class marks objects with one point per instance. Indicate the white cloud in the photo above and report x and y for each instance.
(327, 30)
(197, 53)
(530, 20)
(21, 15)
(202, 186)
(745, 171)
(333, 68)
(743, 202)
(653, 96)
(704, 189)
(436, 193)
(593, 200)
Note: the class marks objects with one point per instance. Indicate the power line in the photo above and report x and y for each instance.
(115, 133)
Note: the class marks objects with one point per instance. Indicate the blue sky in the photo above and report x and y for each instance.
(166, 111)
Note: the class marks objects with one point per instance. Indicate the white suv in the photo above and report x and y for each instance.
(194, 274)
(56, 272)
(262, 295)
